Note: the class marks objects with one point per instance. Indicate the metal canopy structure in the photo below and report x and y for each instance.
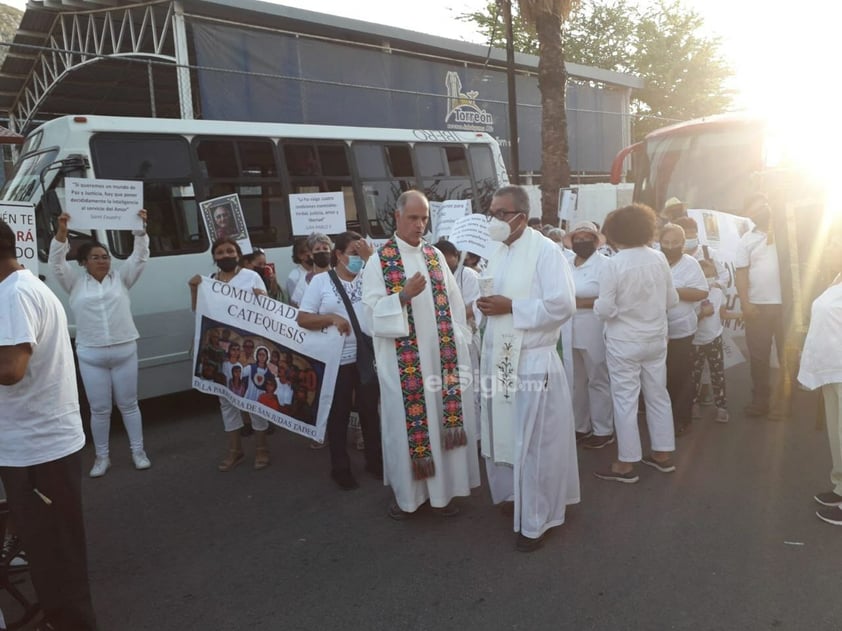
(252, 60)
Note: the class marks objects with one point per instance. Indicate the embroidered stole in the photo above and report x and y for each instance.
(409, 363)
(513, 279)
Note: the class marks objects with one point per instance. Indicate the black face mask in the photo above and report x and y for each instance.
(260, 270)
(584, 249)
(321, 259)
(673, 254)
(227, 263)
(308, 262)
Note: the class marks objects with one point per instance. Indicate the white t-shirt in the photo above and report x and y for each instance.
(40, 419)
(710, 327)
(468, 282)
(322, 298)
(821, 363)
(635, 291)
(292, 280)
(682, 317)
(588, 329)
(761, 259)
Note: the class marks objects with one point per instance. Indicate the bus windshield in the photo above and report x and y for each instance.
(25, 182)
(707, 168)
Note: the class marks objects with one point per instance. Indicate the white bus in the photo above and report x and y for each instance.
(183, 162)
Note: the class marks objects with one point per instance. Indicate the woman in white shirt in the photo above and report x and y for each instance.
(227, 255)
(821, 367)
(320, 247)
(635, 292)
(692, 287)
(322, 306)
(105, 336)
(593, 407)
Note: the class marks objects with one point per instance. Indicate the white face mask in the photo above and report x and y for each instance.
(499, 230)
(690, 245)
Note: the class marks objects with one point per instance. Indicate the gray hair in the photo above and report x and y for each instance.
(404, 197)
(556, 234)
(672, 227)
(519, 196)
(318, 237)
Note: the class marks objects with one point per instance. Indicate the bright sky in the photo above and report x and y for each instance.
(781, 56)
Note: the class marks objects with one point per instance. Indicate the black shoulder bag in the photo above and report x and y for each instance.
(365, 345)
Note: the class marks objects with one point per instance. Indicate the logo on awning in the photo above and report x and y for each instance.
(462, 110)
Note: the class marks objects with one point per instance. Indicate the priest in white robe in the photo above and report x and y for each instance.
(528, 437)
(417, 319)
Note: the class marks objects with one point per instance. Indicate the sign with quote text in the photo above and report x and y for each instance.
(103, 204)
(317, 212)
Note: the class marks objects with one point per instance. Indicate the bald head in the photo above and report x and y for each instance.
(411, 215)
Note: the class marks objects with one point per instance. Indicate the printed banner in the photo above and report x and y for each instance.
(443, 215)
(223, 217)
(103, 204)
(250, 350)
(21, 219)
(317, 212)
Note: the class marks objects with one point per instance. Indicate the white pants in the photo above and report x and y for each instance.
(832, 393)
(593, 408)
(232, 418)
(109, 373)
(634, 366)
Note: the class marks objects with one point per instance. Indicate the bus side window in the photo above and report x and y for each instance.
(485, 177)
(322, 167)
(249, 168)
(444, 172)
(162, 162)
(385, 171)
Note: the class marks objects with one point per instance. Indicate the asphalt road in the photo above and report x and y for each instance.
(730, 541)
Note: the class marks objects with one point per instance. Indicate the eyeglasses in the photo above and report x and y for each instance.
(99, 257)
(500, 214)
(258, 251)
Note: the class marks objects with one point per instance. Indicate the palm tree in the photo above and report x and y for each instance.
(546, 18)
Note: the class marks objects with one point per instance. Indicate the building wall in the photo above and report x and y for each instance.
(256, 75)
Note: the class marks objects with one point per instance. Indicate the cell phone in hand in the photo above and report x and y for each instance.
(269, 270)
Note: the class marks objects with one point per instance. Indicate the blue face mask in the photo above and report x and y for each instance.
(355, 264)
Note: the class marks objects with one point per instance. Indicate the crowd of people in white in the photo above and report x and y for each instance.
(558, 340)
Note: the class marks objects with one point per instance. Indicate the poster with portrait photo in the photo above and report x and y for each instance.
(223, 217)
(250, 350)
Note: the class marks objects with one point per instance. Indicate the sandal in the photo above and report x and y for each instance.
(261, 457)
(234, 458)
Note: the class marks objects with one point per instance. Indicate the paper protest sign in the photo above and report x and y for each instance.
(470, 233)
(317, 212)
(567, 198)
(223, 217)
(250, 350)
(444, 214)
(103, 204)
(21, 219)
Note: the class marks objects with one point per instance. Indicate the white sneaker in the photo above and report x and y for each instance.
(101, 465)
(141, 460)
(722, 415)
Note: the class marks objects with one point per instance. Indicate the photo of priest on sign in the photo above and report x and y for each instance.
(224, 218)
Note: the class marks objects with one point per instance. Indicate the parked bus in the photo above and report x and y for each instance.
(183, 162)
(716, 163)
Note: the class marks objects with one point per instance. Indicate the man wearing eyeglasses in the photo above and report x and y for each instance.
(758, 283)
(528, 438)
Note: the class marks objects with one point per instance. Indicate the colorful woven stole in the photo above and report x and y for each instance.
(409, 363)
